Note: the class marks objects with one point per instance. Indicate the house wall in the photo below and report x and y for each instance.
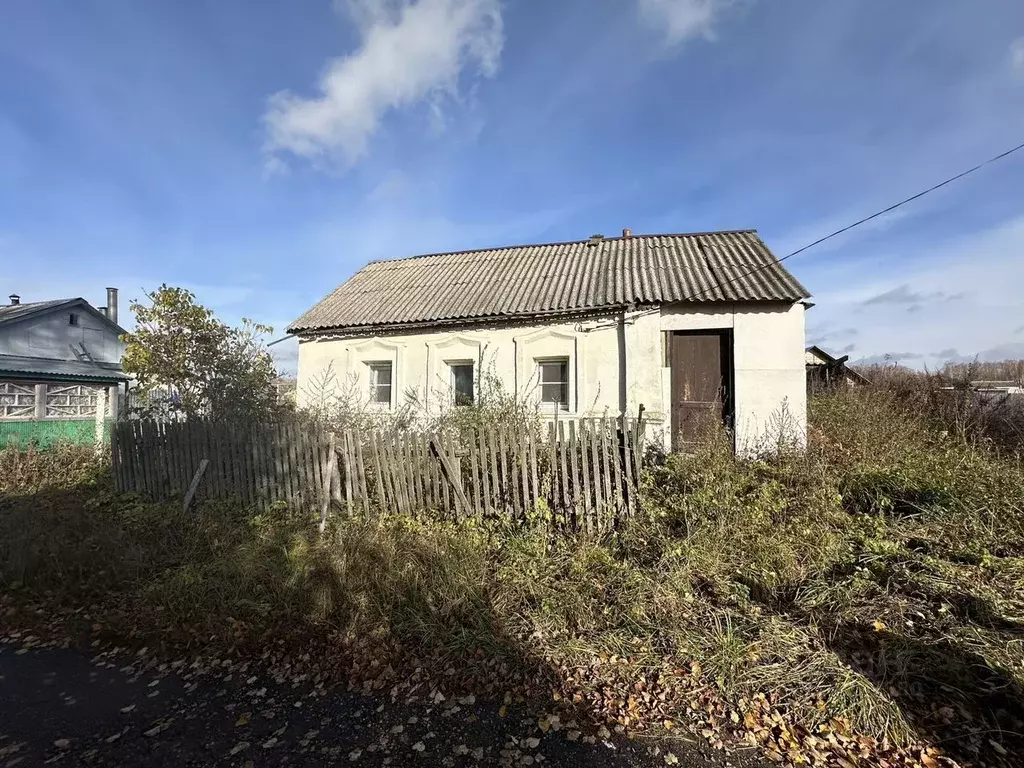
(503, 355)
(768, 368)
(51, 336)
(768, 357)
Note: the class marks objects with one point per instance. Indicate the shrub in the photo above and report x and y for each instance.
(63, 465)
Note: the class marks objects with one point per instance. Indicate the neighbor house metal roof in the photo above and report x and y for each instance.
(13, 366)
(529, 280)
(11, 312)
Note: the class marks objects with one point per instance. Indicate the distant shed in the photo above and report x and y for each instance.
(824, 370)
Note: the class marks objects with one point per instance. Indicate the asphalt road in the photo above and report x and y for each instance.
(62, 707)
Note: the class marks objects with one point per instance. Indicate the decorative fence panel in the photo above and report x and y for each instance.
(17, 401)
(584, 473)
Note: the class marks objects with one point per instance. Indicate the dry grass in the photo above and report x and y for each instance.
(872, 581)
(62, 466)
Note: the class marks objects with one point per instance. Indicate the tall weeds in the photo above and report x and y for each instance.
(865, 583)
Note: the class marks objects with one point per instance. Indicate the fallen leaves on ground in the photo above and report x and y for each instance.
(607, 690)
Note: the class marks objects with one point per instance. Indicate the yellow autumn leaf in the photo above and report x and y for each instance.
(878, 625)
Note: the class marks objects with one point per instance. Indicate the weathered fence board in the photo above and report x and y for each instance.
(586, 472)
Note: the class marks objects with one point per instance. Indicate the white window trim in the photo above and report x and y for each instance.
(456, 347)
(549, 344)
(360, 354)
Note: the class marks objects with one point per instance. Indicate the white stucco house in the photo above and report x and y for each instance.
(696, 327)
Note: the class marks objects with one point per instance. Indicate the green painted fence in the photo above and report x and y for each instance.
(45, 432)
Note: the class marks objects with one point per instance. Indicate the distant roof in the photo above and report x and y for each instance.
(12, 366)
(828, 359)
(529, 280)
(10, 313)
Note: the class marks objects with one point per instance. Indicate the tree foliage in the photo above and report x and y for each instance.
(184, 358)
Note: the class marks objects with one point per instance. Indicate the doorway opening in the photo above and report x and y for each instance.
(702, 385)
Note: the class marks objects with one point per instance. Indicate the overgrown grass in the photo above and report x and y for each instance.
(25, 470)
(873, 585)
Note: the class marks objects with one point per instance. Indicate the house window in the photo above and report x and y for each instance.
(554, 381)
(380, 383)
(462, 383)
(73, 318)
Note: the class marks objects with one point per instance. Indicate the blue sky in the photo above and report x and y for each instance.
(260, 152)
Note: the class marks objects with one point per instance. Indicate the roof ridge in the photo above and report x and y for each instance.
(44, 301)
(561, 242)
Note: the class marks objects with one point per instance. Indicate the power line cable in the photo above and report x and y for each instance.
(820, 240)
(866, 219)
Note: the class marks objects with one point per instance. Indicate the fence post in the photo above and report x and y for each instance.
(101, 416)
(639, 436)
(195, 483)
(625, 456)
(332, 464)
(461, 504)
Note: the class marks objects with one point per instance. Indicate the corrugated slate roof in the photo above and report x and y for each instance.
(44, 367)
(529, 280)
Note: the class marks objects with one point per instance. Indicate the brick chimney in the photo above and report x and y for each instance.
(15, 299)
(112, 304)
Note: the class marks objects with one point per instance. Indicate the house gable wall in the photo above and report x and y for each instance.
(50, 335)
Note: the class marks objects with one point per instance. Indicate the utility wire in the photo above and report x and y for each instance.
(866, 219)
(820, 240)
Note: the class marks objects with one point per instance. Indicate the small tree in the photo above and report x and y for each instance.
(206, 367)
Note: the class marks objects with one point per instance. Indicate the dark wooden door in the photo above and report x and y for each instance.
(699, 386)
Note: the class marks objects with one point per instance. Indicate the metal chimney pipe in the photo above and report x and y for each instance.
(627, 232)
(112, 304)
(15, 299)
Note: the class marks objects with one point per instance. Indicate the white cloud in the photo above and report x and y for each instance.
(1017, 56)
(410, 52)
(394, 186)
(681, 20)
(930, 300)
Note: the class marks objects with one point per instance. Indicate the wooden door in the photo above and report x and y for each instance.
(700, 378)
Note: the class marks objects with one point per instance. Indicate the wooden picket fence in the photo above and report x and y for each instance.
(257, 464)
(583, 473)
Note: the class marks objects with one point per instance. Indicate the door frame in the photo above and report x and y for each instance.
(726, 341)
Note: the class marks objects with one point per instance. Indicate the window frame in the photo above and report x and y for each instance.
(73, 319)
(565, 382)
(374, 367)
(452, 365)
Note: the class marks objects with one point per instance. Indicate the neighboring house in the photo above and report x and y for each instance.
(823, 370)
(55, 359)
(699, 328)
